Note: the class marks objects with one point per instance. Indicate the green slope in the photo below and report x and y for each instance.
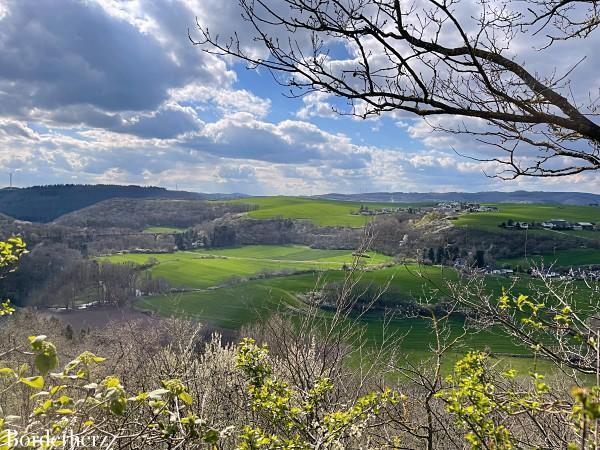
(530, 213)
(320, 212)
(207, 268)
(560, 258)
(254, 301)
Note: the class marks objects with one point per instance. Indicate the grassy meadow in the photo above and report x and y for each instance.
(244, 303)
(560, 258)
(235, 305)
(202, 269)
(239, 305)
(321, 212)
(236, 287)
(529, 213)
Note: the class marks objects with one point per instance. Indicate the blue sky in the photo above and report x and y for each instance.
(103, 91)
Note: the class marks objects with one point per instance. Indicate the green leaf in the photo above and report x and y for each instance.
(45, 362)
(211, 436)
(33, 382)
(117, 406)
(185, 398)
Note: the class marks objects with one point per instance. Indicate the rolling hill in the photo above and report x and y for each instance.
(46, 203)
(142, 213)
(320, 212)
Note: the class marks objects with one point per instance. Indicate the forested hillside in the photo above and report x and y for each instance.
(46, 203)
(139, 214)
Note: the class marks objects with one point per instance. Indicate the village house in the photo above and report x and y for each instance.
(486, 209)
(544, 274)
(557, 224)
(506, 272)
(462, 206)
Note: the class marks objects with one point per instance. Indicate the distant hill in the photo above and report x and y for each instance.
(140, 213)
(560, 198)
(46, 203)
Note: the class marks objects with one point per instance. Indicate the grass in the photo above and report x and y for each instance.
(254, 301)
(560, 258)
(208, 268)
(248, 302)
(531, 213)
(321, 212)
(240, 304)
(339, 213)
(164, 230)
(236, 305)
(244, 303)
(293, 253)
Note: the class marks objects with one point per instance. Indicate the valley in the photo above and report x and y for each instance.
(233, 264)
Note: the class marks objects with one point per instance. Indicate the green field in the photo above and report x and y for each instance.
(164, 230)
(239, 304)
(244, 302)
(339, 213)
(208, 268)
(254, 301)
(531, 213)
(320, 212)
(231, 296)
(560, 258)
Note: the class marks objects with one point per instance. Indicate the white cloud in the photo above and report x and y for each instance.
(112, 91)
(316, 105)
(226, 100)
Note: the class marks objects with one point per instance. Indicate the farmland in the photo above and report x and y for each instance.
(320, 212)
(560, 258)
(235, 287)
(339, 213)
(206, 268)
(529, 213)
(244, 304)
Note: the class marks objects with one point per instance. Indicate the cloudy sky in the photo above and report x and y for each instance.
(102, 91)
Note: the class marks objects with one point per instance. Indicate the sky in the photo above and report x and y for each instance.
(103, 91)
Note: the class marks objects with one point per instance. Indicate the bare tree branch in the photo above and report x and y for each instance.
(426, 58)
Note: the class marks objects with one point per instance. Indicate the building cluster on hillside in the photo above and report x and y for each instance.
(561, 224)
(544, 273)
(573, 273)
(581, 273)
(366, 211)
(554, 224)
(442, 207)
(506, 272)
(457, 207)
